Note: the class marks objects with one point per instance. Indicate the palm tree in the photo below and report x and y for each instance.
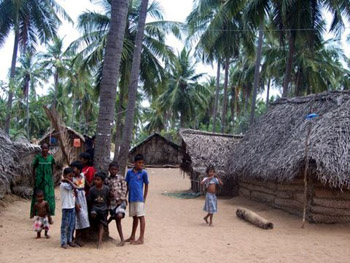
(134, 77)
(29, 73)
(110, 75)
(183, 93)
(30, 20)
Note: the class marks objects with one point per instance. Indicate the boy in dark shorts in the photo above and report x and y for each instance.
(43, 219)
(136, 178)
(98, 200)
(117, 198)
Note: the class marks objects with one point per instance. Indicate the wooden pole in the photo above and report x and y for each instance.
(306, 172)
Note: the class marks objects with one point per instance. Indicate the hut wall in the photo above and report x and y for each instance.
(158, 152)
(326, 205)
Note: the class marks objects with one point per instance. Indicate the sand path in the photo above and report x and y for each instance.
(175, 232)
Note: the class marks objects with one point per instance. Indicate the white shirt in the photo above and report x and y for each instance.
(67, 196)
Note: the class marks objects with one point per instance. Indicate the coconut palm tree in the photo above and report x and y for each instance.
(110, 75)
(31, 21)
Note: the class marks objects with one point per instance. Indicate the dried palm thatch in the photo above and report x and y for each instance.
(274, 147)
(15, 166)
(202, 149)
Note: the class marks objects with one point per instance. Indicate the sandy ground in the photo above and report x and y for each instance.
(176, 232)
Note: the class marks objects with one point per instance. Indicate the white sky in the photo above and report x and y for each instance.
(175, 10)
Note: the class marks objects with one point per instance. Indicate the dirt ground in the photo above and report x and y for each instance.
(176, 232)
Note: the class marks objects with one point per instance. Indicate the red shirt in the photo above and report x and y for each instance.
(89, 172)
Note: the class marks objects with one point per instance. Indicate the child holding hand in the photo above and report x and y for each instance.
(210, 205)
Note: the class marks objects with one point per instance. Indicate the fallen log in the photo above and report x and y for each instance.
(253, 218)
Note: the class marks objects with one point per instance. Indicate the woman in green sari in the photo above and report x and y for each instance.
(43, 178)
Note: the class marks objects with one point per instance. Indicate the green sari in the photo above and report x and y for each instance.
(44, 180)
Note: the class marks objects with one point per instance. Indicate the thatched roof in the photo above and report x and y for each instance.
(53, 133)
(149, 138)
(274, 147)
(206, 148)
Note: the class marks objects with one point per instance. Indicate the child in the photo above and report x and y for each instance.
(43, 219)
(117, 197)
(210, 205)
(68, 208)
(136, 178)
(88, 170)
(98, 199)
(82, 216)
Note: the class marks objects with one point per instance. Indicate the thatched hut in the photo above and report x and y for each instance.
(271, 158)
(205, 148)
(74, 144)
(15, 166)
(158, 151)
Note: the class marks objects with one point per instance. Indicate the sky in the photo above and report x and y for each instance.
(174, 10)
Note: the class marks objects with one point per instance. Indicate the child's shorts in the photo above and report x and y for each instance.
(118, 209)
(41, 223)
(101, 215)
(136, 209)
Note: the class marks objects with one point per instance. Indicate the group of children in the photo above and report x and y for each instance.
(88, 197)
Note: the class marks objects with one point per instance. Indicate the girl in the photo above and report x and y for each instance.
(210, 205)
(81, 218)
(43, 178)
(88, 170)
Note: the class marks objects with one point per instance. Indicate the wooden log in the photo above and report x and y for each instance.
(254, 218)
(329, 219)
(291, 203)
(331, 203)
(268, 184)
(285, 194)
(299, 197)
(332, 193)
(244, 192)
(330, 211)
(290, 187)
(263, 197)
(259, 188)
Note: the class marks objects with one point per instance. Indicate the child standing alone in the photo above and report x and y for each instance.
(136, 178)
(210, 205)
(43, 219)
(68, 208)
(117, 198)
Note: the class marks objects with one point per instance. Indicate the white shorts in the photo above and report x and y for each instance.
(136, 209)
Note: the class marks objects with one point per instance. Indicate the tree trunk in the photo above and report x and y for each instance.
(233, 104)
(216, 102)
(135, 69)
(256, 74)
(12, 82)
(110, 75)
(289, 65)
(119, 127)
(27, 109)
(224, 109)
(268, 93)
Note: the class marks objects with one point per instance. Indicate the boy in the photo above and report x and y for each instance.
(98, 199)
(117, 197)
(43, 219)
(68, 208)
(136, 178)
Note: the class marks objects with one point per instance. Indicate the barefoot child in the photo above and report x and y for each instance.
(43, 219)
(98, 199)
(117, 198)
(136, 178)
(68, 208)
(210, 205)
(81, 216)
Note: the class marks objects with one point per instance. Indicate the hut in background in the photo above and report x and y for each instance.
(205, 148)
(158, 151)
(74, 144)
(270, 159)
